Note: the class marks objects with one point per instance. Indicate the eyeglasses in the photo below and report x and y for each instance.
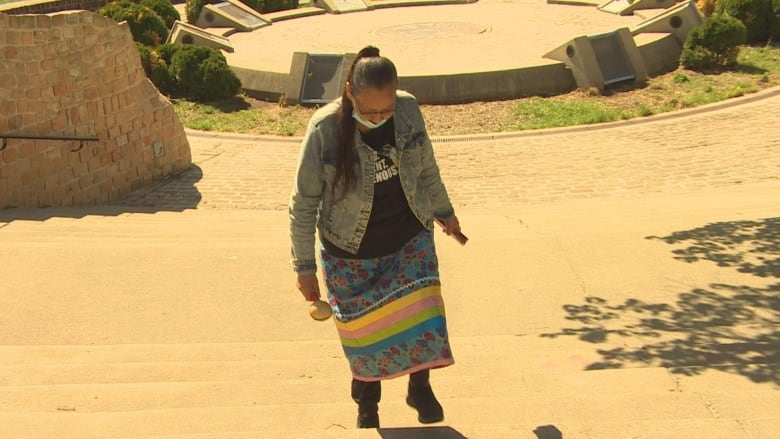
(384, 114)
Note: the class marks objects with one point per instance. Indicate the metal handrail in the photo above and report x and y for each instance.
(81, 139)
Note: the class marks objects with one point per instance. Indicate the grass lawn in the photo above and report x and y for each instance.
(758, 68)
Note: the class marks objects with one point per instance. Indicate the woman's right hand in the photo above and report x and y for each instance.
(308, 285)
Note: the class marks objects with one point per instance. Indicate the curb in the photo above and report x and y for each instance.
(715, 106)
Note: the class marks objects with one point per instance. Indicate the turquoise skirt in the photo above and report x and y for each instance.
(389, 311)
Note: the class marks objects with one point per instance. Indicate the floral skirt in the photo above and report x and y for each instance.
(389, 311)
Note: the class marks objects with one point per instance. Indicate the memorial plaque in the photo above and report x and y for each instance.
(339, 6)
(231, 14)
(322, 79)
(184, 33)
(612, 58)
(628, 7)
(240, 15)
(349, 5)
(601, 60)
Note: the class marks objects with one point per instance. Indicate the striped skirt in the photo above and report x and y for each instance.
(389, 311)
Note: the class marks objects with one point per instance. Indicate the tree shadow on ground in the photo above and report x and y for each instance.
(231, 105)
(174, 194)
(750, 69)
(624, 86)
(750, 246)
(723, 327)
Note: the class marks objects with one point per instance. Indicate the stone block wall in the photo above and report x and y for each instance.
(49, 6)
(79, 74)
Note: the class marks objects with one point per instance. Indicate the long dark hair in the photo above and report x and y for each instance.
(367, 70)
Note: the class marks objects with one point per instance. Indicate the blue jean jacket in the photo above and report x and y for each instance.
(344, 223)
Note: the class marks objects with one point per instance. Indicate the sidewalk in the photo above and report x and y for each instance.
(710, 147)
(621, 281)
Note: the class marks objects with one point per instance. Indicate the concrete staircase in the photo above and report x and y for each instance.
(184, 325)
(299, 390)
(193, 390)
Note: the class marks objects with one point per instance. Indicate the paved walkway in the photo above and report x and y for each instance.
(719, 145)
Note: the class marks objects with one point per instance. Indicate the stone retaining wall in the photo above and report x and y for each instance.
(51, 6)
(79, 74)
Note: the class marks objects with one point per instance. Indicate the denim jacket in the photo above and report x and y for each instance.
(344, 223)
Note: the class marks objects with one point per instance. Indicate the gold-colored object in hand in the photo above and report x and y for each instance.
(319, 310)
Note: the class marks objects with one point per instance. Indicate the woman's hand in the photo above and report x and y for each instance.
(308, 285)
(451, 225)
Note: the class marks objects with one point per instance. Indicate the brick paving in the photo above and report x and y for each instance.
(720, 145)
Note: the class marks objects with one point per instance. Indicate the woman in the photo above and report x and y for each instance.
(367, 180)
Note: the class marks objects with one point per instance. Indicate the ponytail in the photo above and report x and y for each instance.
(367, 70)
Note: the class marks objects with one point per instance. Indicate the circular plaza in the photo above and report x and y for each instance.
(452, 51)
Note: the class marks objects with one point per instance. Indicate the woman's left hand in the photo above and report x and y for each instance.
(451, 225)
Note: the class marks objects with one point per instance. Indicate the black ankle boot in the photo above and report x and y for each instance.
(367, 396)
(420, 397)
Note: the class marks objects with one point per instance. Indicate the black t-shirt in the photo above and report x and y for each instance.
(392, 223)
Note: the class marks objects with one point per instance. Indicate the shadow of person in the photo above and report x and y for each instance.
(548, 432)
(420, 433)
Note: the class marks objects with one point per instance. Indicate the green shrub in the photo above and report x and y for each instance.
(707, 7)
(145, 52)
(163, 80)
(265, 6)
(165, 9)
(756, 15)
(166, 51)
(714, 44)
(156, 68)
(257, 5)
(776, 20)
(278, 5)
(114, 8)
(146, 26)
(162, 77)
(218, 80)
(192, 9)
(202, 73)
(184, 66)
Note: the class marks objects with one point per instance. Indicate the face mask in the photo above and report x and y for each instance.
(367, 123)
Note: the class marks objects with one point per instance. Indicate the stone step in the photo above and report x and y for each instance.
(266, 389)
(327, 421)
(99, 396)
